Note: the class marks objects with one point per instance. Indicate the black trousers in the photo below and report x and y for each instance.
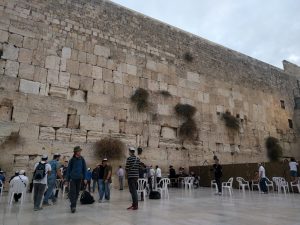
(74, 191)
(17, 196)
(219, 184)
(132, 184)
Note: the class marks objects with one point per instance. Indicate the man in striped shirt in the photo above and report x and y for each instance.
(133, 164)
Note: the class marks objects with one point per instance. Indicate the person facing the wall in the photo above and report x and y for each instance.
(76, 172)
(120, 174)
(262, 178)
(21, 176)
(218, 173)
(293, 169)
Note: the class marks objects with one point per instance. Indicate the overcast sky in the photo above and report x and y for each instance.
(268, 30)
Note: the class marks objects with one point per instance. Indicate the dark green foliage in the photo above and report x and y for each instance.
(165, 93)
(185, 110)
(140, 98)
(231, 121)
(188, 130)
(109, 148)
(188, 57)
(274, 150)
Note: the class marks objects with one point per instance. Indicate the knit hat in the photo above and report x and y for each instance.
(77, 149)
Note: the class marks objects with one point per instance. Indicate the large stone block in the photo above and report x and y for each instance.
(93, 136)
(47, 118)
(64, 79)
(63, 134)
(91, 123)
(29, 131)
(151, 65)
(66, 53)
(86, 83)
(154, 130)
(30, 43)
(78, 135)
(97, 72)
(40, 74)
(100, 99)
(72, 66)
(131, 80)
(77, 95)
(30, 87)
(193, 77)
(10, 52)
(74, 81)
(107, 75)
(11, 68)
(82, 57)
(91, 59)
(131, 69)
(117, 77)
(25, 55)
(47, 133)
(5, 113)
(85, 69)
(101, 51)
(9, 83)
(111, 126)
(52, 62)
(26, 71)
(168, 132)
(52, 76)
(98, 86)
(3, 36)
(60, 92)
(109, 88)
(73, 121)
(20, 115)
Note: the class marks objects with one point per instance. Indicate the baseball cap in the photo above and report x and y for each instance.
(44, 157)
(132, 149)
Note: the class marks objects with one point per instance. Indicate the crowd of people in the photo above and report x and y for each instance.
(75, 175)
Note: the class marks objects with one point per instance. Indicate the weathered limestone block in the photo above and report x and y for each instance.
(52, 62)
(101, 51)
(91, 59)
(85, 69)
(91, 123)
(3, 36)
(86, 83)
(101, 61)
(66, 53)
(78, 135)
(109, 88)
(153, 85)
(131, 69)
(110, 126)
(100, 99)
(51, 119)
(122, 115)
(9, 83)
(25, 55)
(74, 81)
(73, 121)
(162, 68)
(193, 77)
(93, 136)
(40, 74)
(133, 128)
(26, 71)
(2, 66)
(131, 80)
(63, 134)
(82, 57)
(20, 114)
(154, 130)
(8, 127)
(173, 90)
(64, 79)
(151, 65)
(29, 131)
(47, 133)
(30, 87)
(72, 66)
(11, 68)
(5, 113)
(77, 95)
(107, 75)
(117, 77)
(10, 52)
(97, 72)
(163, 109)
(52, 76)
(16, 40)
(168, 132)
(119, 90)
(44, 89)
(30, 43)
(60, 92)
(98, 86)
(153, 142)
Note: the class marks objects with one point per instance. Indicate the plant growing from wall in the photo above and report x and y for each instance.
(165, 94)
(140, 99)
(231, 121)
(274, 150)
(188, 129)
(188, 57)
(109, 148)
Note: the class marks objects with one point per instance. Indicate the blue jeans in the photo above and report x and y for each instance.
(104, 189)
(49, 193)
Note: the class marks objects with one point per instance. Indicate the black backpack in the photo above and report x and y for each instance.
(86, 198)
(154, 195)
(40, 171)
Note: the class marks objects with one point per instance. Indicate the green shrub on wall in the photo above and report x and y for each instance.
(231, 121)
(165, 94)
(109, 148)
(185, 111)
(140, 99)
(274, 150)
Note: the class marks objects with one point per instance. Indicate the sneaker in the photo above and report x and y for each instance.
(130, 207)
(220, 193)
(46, 204)
(135, 208)
(37, 209)
(73, 210)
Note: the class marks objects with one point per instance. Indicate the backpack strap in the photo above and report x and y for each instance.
(22, 181)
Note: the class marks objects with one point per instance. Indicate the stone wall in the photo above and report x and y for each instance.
(69, 67)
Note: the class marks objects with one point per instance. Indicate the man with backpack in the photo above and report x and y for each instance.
(75, 174)
(41, 171)
(132, 170)
(55, 171)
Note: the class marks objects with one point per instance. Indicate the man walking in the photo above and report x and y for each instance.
(107, 178)
(120, 174)
(132, 170)
(55, 171)
(218, 174)
(262, 178)
(41, 171)
(75, 173)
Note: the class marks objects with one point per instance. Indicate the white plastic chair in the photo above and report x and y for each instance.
(163, 187)
(16, 187)
(295, 184)
(1, 189)
(142, 187)
(228, 185)
(269, 184)
(255, 183)
(243, 183)
(213, 184)
(276, 183)
(189, 182)
(281, 184)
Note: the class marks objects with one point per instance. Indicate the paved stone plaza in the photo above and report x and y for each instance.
(198, 206)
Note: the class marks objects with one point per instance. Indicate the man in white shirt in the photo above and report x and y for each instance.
(19, 178)
(41, 171)
(293, 169)
(120, 174)
(262, 178)
(158, 174)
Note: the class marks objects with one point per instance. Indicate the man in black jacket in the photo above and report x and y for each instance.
(218, 174)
